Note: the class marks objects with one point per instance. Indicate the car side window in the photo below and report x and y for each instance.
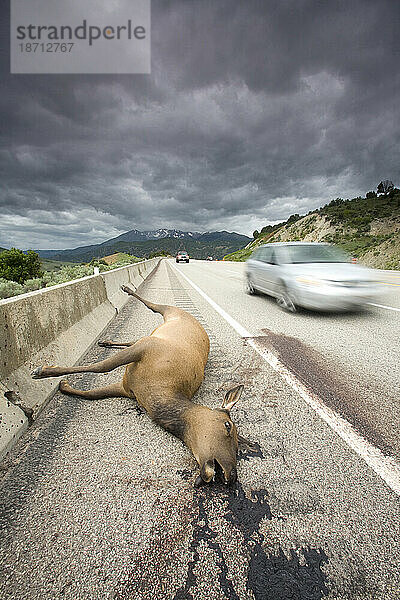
(274, 260)
(265, 255)
(259, 254)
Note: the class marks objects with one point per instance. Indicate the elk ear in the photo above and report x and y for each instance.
(232, 397)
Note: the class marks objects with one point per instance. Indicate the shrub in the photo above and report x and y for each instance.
(31, 285)
(10, 288)
(67, 273)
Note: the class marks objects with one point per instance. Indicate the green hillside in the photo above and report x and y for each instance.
(54, 265)
(367, 228)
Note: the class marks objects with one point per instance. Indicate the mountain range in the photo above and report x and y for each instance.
(144, 243)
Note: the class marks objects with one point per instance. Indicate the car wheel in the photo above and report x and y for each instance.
(187, 261)
(177, 260)
(249, 287)
(284, 300)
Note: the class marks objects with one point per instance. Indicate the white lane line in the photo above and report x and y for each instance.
(384, 466)
(232, 322)
(383, 306)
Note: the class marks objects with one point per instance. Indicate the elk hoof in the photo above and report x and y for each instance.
(63, 385)
(37, 373)
(104, 344)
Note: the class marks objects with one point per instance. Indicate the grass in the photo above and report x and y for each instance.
(54, 265)
(240, 255)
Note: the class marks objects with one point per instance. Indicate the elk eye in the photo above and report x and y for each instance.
(228, 426)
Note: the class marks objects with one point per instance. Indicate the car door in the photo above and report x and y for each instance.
(274, 272)
(262, 268)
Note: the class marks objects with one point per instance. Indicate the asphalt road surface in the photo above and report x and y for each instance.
(98, 502)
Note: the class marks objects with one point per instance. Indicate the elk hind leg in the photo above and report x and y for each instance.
(111, 344)
(114, 390)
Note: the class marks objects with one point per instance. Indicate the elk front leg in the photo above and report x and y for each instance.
(124, 357)
(157, 308)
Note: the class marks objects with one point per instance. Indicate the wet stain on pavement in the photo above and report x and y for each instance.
(216, 517)
(312, 369)
(269, 576)
(254, 451)
(202, 532)
(278, 577)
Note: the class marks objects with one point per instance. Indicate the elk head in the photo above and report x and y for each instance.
(213, 439)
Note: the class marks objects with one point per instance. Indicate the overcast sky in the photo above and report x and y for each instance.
(254, 110)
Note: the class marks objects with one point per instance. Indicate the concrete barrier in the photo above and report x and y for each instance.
(55, 325)
(135, 275)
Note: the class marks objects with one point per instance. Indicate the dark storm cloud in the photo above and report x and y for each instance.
(253, 111)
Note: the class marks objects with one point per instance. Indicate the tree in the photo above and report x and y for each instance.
(336, 202)
(293, 219)
(17, 266)
(371, 195)
(256, 234)
(159, 253)
(385, 187)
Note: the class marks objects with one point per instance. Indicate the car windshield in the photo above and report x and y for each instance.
(314, 253)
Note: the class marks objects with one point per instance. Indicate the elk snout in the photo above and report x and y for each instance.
(211, 470)
(207, 471)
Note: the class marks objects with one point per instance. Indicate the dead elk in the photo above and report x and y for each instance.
(163, 372)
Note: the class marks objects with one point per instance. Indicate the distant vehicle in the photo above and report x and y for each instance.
(182, 256)
(315, 275)
(210, 258)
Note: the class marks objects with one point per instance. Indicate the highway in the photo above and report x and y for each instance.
(96, 501)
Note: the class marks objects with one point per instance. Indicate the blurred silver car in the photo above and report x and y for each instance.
(314, 275)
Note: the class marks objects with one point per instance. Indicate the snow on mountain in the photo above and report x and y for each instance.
(174, 233)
